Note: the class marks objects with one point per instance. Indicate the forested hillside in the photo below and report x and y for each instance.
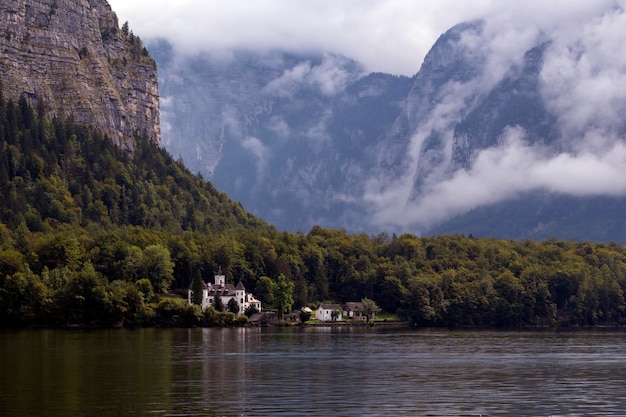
(91, 235)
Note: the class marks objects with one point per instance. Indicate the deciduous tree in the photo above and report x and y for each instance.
(283, 296)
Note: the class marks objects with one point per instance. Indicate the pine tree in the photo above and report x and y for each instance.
(196, 288)
(218, 304)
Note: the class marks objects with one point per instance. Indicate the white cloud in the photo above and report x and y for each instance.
(330, 77)
(504, 172)
(389, 36)
(584, 75)
(317, 134)
(279, 126)
(260, 152)
(290, 82)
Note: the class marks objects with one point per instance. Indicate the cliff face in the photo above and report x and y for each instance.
(72, 56)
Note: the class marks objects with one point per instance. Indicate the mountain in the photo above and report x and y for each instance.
(72, 58)
(501, 147)
(289, 136)
(503, 132)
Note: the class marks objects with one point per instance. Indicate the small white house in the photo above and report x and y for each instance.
(226, 292)
(325, 312)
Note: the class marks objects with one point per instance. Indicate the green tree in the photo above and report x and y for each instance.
(218, 304)
(233, 306)
(391, 293)
(305, 316)
(196, 287)
(250, 310)
(265, 290)
(157, 266)
(144, 286)
(177, 312)
(85, 299)
(369, 309)
(24, 299)
(283, 296)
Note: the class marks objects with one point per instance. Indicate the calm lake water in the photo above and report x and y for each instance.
(322, 371)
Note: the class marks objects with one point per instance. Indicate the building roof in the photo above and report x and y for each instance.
(251, 298)
(240, 286)
(352, 306)
(204, 285)
(331, 307)
(226, 290)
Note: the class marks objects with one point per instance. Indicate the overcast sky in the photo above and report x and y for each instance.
(385, 35)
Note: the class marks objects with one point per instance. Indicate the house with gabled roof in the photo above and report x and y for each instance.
(355, 311)
(227, 292)
(329, 312)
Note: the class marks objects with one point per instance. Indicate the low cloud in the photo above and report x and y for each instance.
(502, 173)
(279, 127)
(287, 85)
(330, 77)
(389, 36)
(582, 77)
(260, 153)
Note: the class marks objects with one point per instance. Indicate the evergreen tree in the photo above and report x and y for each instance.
(218, 304)
(196, 287)
(233, 306)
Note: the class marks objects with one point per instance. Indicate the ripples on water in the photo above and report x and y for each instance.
(324, 371)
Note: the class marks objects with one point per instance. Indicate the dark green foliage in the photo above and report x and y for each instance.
(218, 304)
(196, 287)
(55, 172)
(176, 312)
(233, 306)
(304, 316)
(251, 310)
(93, 236)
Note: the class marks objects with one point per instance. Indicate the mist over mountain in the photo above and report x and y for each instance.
(504, 118)
(507, 130)
(291, 137)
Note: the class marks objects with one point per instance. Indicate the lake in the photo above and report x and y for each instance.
(314, 371)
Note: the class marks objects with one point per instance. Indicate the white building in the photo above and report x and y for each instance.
(226, 292)
(325, 312)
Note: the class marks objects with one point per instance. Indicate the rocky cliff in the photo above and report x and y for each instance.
(72, 57)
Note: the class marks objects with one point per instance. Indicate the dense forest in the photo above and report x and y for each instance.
(92, 235)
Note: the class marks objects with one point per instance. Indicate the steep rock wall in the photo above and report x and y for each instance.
(71, 56)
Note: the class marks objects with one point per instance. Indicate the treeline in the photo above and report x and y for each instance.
(92, 235)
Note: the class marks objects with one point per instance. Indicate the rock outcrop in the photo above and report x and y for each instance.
(72, 57)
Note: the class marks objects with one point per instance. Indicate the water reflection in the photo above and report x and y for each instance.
(314, 371)
(59, 373)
